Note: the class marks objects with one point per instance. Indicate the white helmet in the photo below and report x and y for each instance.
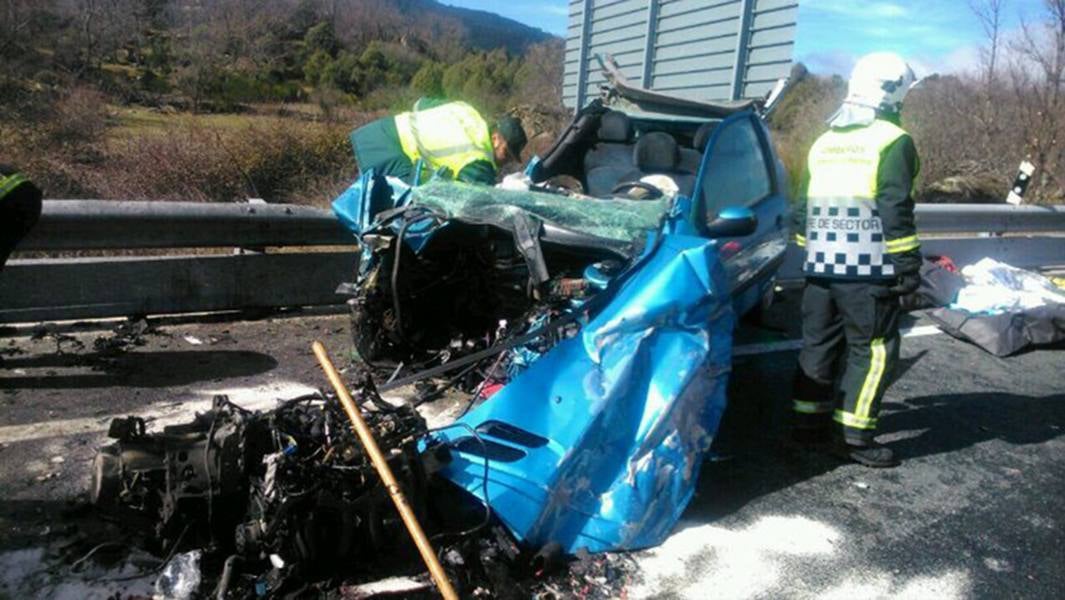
(880, 81)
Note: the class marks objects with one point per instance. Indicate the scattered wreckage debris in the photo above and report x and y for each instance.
(125, 336)
(286, 504)
(48, 331)
(282, 500)
(384, 471)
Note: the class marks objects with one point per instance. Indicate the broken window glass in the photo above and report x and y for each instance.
(613, 218)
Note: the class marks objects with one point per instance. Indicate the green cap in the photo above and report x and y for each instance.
(510, 128)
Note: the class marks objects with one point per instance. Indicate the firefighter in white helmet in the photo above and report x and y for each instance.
(856, 223)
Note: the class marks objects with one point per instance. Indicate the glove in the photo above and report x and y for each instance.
(905, 284)
(907, 272)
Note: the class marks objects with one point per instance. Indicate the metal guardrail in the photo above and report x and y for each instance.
(102, 224)
(283, 270)
(997, 219)
(1028, 237)
(297, 274)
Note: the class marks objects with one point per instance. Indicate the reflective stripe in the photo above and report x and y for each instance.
(902, 244)
(811, 408)
(9, 183)
(877, 364)
(849, 420)
(800, 240)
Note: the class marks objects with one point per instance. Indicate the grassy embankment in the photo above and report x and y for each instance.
(94, 149)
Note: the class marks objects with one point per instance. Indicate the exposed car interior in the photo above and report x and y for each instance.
(517, 253)
(611, 153)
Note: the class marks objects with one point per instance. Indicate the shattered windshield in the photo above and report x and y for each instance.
(615, 219)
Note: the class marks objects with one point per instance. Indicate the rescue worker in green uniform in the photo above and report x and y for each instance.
(856, 223)
(20, 207)
(451, 136)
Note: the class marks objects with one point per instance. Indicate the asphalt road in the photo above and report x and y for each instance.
(975, 510)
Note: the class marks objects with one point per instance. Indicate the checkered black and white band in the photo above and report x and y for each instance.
(845, 238)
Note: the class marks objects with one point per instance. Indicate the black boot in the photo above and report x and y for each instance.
(871, 455)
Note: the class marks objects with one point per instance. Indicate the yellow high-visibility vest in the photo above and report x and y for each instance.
(451, 135)
(844, 235)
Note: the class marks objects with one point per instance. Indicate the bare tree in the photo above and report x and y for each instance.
(15, 19)
(989, 13)
(1038, 78)
(540, 77)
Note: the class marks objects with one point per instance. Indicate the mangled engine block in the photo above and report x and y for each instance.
(447, 297)
(288, 494)
(465, 288)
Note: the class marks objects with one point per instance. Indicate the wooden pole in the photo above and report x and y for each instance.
(379, 462)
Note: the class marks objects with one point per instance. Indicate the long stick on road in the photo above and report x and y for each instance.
(379, 462)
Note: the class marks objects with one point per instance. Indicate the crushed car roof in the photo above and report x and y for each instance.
(633, 99)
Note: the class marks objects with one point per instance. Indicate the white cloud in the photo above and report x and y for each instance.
(961, 60)
(966, 59)
(836, 62)
(858, 10)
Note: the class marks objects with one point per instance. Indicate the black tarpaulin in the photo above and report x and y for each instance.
(1006, 333)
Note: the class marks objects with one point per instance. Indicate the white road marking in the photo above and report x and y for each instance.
(790, 345)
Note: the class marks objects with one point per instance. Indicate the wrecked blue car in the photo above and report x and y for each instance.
(586, 312)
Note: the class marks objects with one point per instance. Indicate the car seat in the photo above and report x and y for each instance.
(657, 153)
(611, 158)
(692, 158)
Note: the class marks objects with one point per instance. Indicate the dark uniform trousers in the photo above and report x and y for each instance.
(851, 347)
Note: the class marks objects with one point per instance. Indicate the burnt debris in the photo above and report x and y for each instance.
(286, 504)
(281, 500)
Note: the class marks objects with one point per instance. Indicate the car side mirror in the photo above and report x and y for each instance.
(733, 222)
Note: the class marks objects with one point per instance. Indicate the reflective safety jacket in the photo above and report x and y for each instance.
(9, 183)
(20, 208)
(451, 135)
(856, 226)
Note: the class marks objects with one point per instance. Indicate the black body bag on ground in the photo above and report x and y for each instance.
(1006, 333)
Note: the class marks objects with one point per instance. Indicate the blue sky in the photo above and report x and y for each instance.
(936, 35)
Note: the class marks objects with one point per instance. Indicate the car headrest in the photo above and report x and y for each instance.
(702, 136)
(615, 127)
(656, 152)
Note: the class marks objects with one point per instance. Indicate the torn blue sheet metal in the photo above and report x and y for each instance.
(598, 444)
(370, 194)
(358, 207)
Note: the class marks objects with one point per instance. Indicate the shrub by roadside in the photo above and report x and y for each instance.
(85, 150)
